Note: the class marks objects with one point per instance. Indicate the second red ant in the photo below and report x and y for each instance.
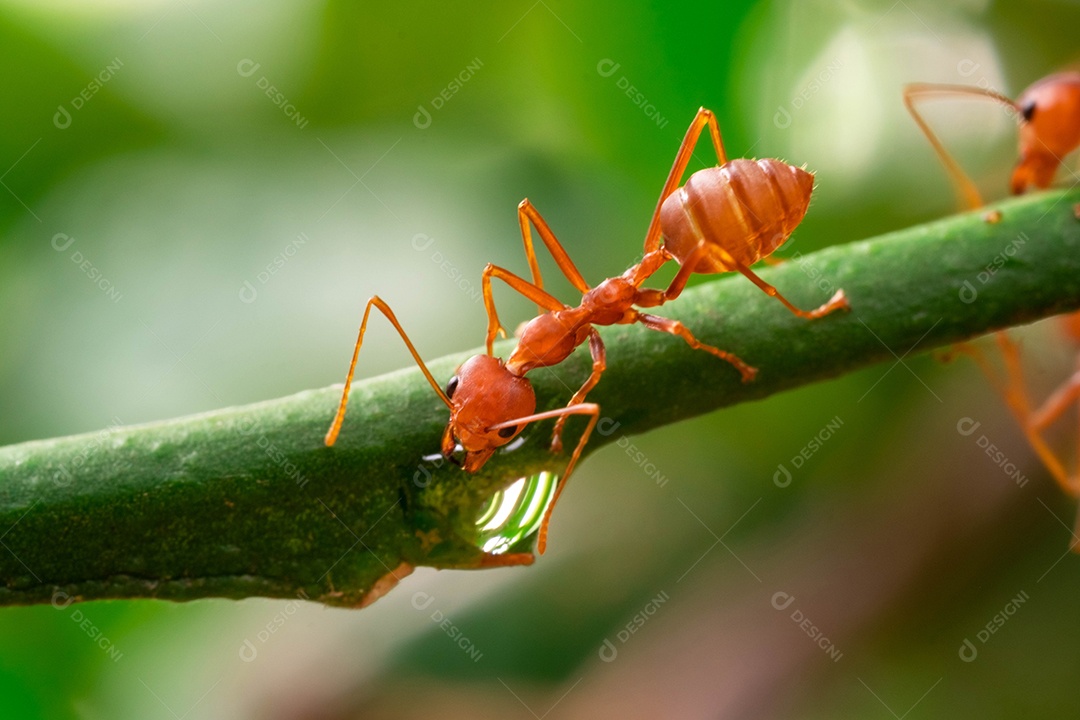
(1049, 117)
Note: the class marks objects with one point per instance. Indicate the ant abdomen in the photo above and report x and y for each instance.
(743, 209)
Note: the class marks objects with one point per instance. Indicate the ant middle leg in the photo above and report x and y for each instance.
(599, 358)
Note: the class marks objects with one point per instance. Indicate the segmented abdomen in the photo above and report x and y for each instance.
(743, 209)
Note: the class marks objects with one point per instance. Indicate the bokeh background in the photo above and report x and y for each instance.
(198, 197)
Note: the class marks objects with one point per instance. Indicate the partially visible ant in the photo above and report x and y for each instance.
(725, 218)
(1049, 117)
(1049, 112)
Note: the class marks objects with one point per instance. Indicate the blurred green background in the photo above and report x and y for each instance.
(197, 198)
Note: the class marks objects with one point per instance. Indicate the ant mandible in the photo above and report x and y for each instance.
(725, 218)
(1049, 112)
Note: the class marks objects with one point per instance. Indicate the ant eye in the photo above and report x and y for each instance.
(508, 432)
(451, 386)
(1028, 110)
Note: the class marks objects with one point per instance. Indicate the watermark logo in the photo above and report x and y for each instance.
(248, 292)
(423, 117)
(782, 477)
(422, 601)
(422, 242)
(638, 457)
(967, 426)
(63, 117)
(276, 454)
(607, 68)
(782, 601)
(966, 68)
(609, 650)
(968, 650)
(247, 67)
(71, 466)
(249, 651)
(782, 117)
(968, 292)
(813, 272)
(61, 600)
(61, 242)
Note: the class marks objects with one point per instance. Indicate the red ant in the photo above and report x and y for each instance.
(1049, 112)
(725, 218)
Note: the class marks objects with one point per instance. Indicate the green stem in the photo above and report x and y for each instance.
(247, 501)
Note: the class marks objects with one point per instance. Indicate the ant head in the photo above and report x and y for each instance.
(1050, 130)
(484, 394)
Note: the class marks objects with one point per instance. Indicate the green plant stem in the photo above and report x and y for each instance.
(247, 501)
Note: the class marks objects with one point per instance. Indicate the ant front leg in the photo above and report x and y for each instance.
(599, 359)
(591, 409)
(543, 300)
(376, 301)
(682, 159)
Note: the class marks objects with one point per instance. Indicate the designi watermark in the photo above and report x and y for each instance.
(782, 601)
(63, 117)
(968, 650)
(609, 650)
(61, 242)
(422, 601)
(782, 117)
(61, 600)
(247, 67)
(422, 119)
(607, 68)
(968, 291)
(967, 426)
(248, 650)
(782, 476)
(248, 292)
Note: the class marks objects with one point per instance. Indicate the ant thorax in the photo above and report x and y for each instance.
(548, 339)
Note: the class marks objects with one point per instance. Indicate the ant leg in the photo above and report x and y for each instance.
(969, 194)
(674, 327)
(599, 364)
(526, 213)
(651, 297)
(583, 409)
(506, 560)
(682, 159)
(375, 300)
(1033, 423)
(678, 283)
(837, 302)
(538, 295)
